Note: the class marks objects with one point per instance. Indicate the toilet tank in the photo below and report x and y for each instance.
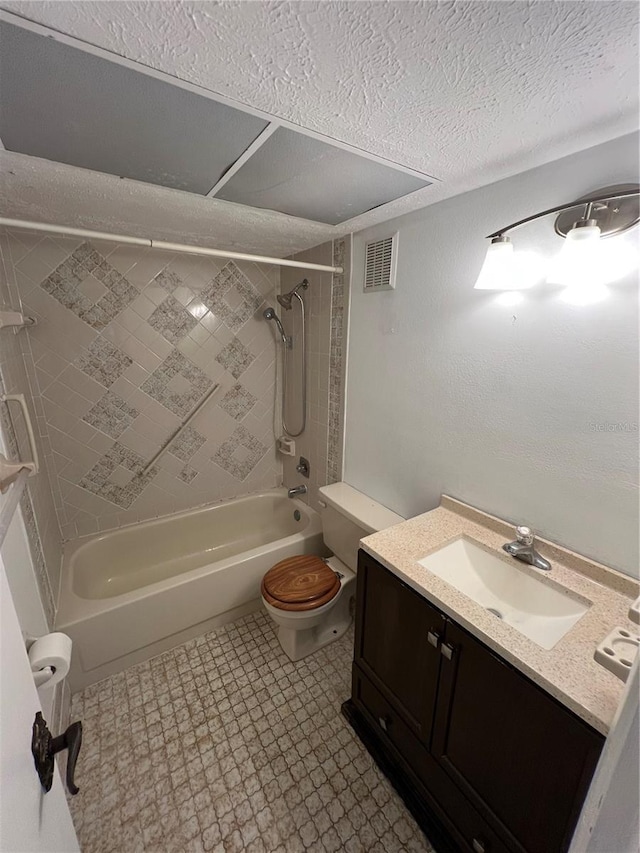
(347, 517)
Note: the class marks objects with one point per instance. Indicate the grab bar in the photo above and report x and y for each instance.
(10, 505)
(33, 466)
(177, 432)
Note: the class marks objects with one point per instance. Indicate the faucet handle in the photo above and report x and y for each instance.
(524, 535)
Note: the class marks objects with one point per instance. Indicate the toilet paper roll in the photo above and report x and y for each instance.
(52, 650)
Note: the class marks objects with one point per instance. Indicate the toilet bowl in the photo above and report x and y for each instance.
(311, 598)
(306, 630)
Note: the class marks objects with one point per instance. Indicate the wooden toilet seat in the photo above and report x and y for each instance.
(300, 583)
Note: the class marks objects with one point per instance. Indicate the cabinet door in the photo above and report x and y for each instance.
(519, 756)
(395, 634)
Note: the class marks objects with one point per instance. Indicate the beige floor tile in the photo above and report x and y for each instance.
(225, 745)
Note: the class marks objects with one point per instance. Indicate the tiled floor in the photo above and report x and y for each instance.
(223, 744)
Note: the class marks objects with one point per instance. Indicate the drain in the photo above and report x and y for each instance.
(296, 515)
(495, 612)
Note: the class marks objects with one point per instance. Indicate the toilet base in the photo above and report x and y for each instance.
(298, 644)
(323, 626)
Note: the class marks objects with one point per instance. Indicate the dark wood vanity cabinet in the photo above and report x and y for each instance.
(393, 624)
(500, 764)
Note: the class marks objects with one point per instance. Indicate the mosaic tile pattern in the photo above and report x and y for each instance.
(169, 280)
(232, 297)
(104, 362)
(115, 477)
(336, 371)
(172, 320)
(187, 474)
(71, 365)
(187, 443)
(235, 358)
(88, 285)
(240, 453)
(111, 415)
(177, 383)
(237, 402)
(224, 745)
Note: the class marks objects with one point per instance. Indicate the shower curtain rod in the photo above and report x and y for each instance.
(184, 248)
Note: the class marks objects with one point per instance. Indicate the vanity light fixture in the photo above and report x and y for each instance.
(498, 269)
(581, 266)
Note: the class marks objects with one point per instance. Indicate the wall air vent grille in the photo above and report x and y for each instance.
(380, 264)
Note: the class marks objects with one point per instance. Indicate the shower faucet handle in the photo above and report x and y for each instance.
(303, 467)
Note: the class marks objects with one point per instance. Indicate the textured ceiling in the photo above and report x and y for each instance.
(469, 92)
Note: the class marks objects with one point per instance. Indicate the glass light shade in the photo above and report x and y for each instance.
(504, 269)
(576, 265)
(498, 270)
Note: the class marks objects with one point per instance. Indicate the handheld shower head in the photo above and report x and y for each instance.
(285, 298)
(270, 314)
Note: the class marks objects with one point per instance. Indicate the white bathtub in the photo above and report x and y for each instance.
(133, 593)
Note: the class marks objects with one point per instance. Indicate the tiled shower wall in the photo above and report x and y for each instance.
(17, 376)
(128, 341)
(326, 300)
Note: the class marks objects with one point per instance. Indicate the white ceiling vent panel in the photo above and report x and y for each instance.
(61, 103)
(380, 264)
(306, 177)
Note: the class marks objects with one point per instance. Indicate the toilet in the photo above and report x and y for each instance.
(310, 597)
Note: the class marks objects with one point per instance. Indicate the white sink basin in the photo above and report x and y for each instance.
(541, 612)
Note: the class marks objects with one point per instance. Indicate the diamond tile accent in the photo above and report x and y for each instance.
(237, 402)
(115, 478)
(88, 285)
(172, 320)
(187, 443)
(177, 383)
(168, 279)
(105, 362)
(187, 474)
(235, 358)
(232, 297)
(240, 453)
(111, 415)
(225, 745)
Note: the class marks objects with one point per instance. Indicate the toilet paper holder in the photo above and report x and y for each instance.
(44, 748)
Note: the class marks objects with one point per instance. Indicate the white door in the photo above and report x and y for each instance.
(30, 820)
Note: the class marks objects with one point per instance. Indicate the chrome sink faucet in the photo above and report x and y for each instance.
(523, 548)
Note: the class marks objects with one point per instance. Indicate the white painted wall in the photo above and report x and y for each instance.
(450, 391)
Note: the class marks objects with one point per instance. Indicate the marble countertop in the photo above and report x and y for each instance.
(568, 670)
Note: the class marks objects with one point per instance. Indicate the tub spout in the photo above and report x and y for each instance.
(297, 490)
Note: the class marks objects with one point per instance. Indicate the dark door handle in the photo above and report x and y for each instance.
(44, 747)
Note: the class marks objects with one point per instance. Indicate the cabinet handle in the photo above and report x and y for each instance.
(434, 638)
(384, 723)
(479, 846)
(447, 650)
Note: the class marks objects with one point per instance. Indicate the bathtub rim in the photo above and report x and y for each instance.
(73, 608)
